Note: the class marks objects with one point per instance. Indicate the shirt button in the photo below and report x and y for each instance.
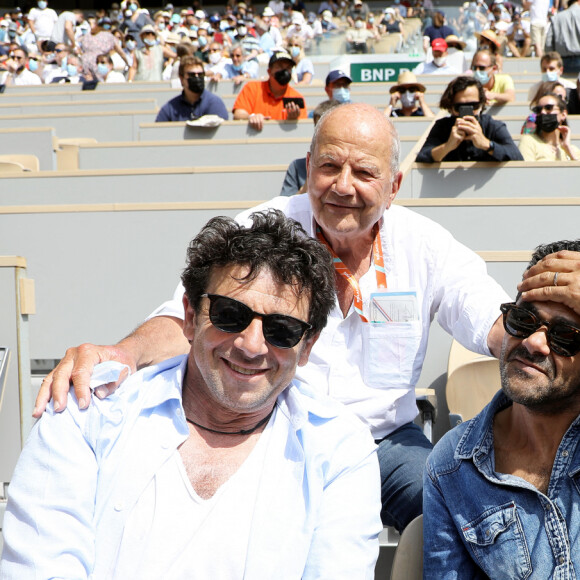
(565, 453)
(118, 507)
(179, 412)
(561, 559)
(487, 533)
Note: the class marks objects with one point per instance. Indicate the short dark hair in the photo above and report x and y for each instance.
(561, 105)
(107, 57)
(273, 243)
(544, 250)
(456, 86)
(550, 56)
(188, 61)
(545, 88)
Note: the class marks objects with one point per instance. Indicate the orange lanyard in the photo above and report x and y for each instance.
(341, 268)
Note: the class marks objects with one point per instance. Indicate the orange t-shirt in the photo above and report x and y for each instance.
(256, 97)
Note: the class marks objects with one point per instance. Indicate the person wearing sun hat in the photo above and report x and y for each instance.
(411, 94)
(489, 40)
(455, 53)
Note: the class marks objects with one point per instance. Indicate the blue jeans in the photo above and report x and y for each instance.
(402, 457)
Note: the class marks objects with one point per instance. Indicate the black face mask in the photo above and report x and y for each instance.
(547, 122)
(283, 76)
(196, 84)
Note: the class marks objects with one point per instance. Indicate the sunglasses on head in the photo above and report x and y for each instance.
(229, 315)
(562, 338)
(548, 108)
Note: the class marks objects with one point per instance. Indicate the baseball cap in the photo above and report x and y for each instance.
(268, 11)
(199, 14)
(334, 75)
(439, 44)
(280, 55)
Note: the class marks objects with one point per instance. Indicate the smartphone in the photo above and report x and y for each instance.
(298, 100)
(465, 110)
(90, 85)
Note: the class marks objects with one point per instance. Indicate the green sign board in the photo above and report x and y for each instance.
(379, 72)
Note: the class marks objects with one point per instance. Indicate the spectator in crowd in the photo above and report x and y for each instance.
(41, 21)
(552, 70)
(223, 429)
(99, 41)
(547, 88)
(134, 21)
(439, 64)
(455, 53)
(181, 49)
(304, 70)
(300, 28)
(53, 60)
(389, 24)
(148, 61)
(411, 95)
(17, 67)
(467, 134)
(105, 72)
(563, 36)
(353, 177)
(327, 23)
(552, 139)
(488, 40)
(501, 489)
(499, 88)
(437, 30)
(358, 11)
(259, 101)
(518, 36)
(64, 30)
(295, 178)
(270, 35)
(240, 69)
(337, 86)
(538, 23)
(217, 61)
(357, 37)
(72, 73)
(250, 43)
(194, 101)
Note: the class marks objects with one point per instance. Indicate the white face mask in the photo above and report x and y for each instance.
(359, 24)
(439, 60)
(214, 57)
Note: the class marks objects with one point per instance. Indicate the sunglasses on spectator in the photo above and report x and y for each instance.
(215, 50)
(475, 105)
(562, 338)
(548, 108)
(194, 75)
(233, 316)
(57, 50)
(480, 67)
(18, 57)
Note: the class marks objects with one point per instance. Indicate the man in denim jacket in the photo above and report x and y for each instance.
(501, 491)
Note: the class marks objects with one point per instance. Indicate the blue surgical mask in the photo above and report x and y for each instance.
(194, 27)
(550, 76)
(133, 7)
(42, 4)
(237, 67)
(202, 41)
(341, 94)
(32, 65)
(161, 26)
(102, 70)
(71, 70)
(106, 27)
(63, 63)
(150, 41)
(130, 45)
(295, 51)
(482, 76)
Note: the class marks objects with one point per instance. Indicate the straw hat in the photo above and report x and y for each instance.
(490, 35)
(407, 79)
(452, 39)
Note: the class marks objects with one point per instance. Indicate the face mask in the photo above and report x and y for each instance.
(371, 20)
(295, 51)
(202, 40)
(42, 4)
(237, 67)
(71, 70)
(150, 41)
(482, 76)
(242, 31)
(130, 45)
(439, 60)
(359, 24)
(194, 27)
(341, 94)
(106, 27)
(63, 63)
(550, 75)
(224, 25)
(231, 33)
(32, 65)
(283, 76)
(102, 69)
(408, 99)
(196, 84)
(547, 122)
(132, 7)
(160, 26)
(214, 57)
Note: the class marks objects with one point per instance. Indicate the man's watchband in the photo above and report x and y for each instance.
(491, 147)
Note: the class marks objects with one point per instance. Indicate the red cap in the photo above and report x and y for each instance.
(439, 44)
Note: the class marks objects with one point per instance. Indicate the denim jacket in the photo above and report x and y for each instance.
(483, 524)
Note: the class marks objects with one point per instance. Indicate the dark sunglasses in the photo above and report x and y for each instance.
(474, 105)
(233, 316)
(548, 108)
(562, 338)
(480, 67)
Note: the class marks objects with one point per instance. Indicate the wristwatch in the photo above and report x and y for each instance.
(491, 147)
